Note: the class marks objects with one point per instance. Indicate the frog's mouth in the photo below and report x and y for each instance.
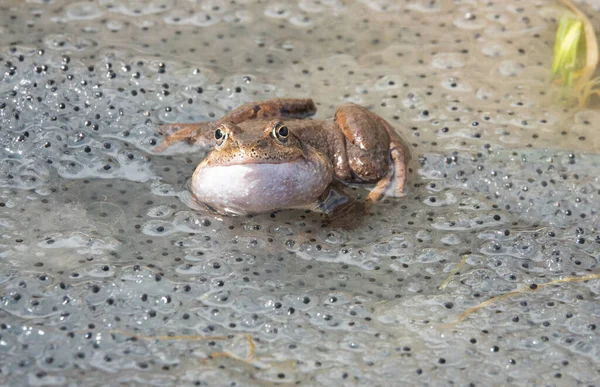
(261, 187)
(244, 160)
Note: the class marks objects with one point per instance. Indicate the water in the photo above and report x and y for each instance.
(108, 277)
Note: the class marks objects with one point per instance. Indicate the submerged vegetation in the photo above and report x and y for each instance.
(576, 55)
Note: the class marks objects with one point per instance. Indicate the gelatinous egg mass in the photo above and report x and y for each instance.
(109, 276)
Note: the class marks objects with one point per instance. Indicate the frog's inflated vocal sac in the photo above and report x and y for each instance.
(267, 157)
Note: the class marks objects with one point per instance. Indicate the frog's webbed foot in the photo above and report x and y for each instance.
(340, 208)
(200, 133)
(347, 216)
(333, 199)
(395, 177)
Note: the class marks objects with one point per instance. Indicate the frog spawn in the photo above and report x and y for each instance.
(90, 264)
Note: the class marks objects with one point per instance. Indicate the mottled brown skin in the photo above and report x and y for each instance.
(252, 142)
(361, 146)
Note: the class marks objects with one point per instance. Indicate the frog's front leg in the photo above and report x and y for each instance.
(376, 153)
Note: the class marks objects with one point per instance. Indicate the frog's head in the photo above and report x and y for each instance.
(271, 143)
(260, 166)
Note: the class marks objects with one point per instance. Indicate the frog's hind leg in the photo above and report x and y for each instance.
(376, 153)
(201, 133)
(272, 108)
(395, 177)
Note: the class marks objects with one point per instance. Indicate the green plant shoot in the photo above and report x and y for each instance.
(568, 52)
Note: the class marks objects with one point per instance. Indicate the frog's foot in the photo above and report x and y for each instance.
(340, 208)
(395, 177)
(333, 199)
(192, 133)
(347, 216)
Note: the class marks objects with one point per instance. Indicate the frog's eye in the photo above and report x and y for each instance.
(281, 132)
(220, 136)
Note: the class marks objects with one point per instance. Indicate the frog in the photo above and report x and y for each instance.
(271, 155)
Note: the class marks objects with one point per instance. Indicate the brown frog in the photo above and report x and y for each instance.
(267, 156)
